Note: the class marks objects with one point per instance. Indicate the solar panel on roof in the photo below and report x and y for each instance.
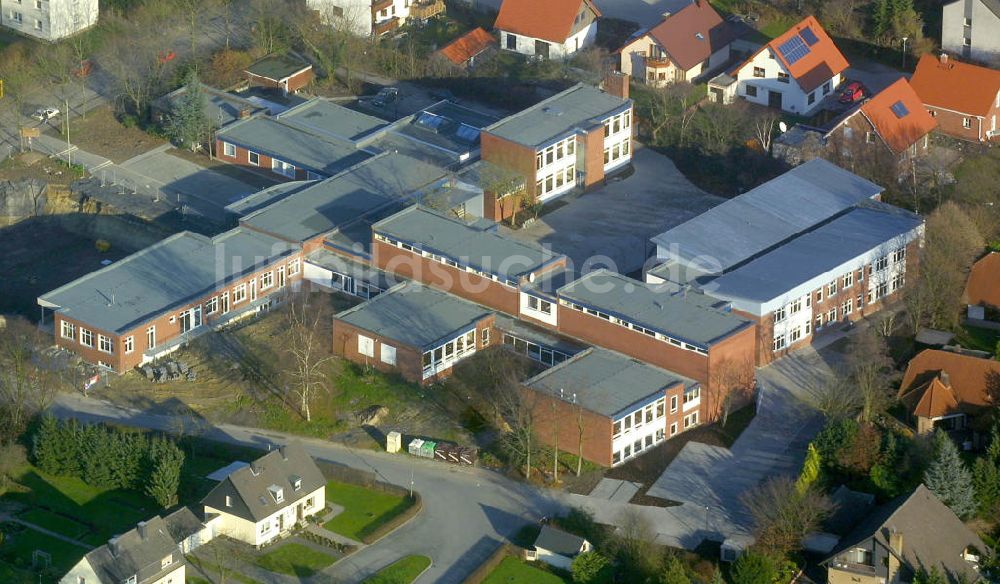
(793, 49)
(809, 36)
(900, 110)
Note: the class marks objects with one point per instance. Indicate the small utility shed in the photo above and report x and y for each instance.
(414, 330)
(283, 72)
(557, 548)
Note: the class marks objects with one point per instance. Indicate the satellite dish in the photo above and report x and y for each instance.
(783, 127)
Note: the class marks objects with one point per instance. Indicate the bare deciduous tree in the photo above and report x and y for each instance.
(782, 515)
(308, 351)
(869, 366)
(28, 380)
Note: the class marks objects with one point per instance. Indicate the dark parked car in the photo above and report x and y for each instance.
(386, 96)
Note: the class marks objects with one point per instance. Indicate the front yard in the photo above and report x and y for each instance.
(295, 559)
(403, 571)
(365, 510)
(516, 571)
(18, 549)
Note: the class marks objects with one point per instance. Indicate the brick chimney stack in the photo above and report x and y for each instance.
(616, 83)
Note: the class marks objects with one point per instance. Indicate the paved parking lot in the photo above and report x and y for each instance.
(711, 480)
(616, 221)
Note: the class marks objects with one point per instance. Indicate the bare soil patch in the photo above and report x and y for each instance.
(101, 133)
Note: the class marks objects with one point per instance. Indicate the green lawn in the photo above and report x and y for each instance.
(103, 512)
(295, 559)
(54, 522)
(20, 544)
(364, 509)
(979, 339)
(515, 571)
(402, 571)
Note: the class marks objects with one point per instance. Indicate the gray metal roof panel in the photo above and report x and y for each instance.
(336, 201)
(606, 382)
(814, 254)
(688, 316)
(580, 106)
(768, 215)
(471, 244)
(119, 297)
(415, 315)
(329, 118)
(293, 144)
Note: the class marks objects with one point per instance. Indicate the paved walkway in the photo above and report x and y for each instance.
(49, 533)
(709, 481)
(615, 490)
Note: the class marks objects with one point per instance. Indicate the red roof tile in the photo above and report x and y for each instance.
(936, 400)
(899, 116)
(467, 46)
(957, 86)
(549, 20)
(983, 286)
(823, 60)
(691, 36)
(968, 377)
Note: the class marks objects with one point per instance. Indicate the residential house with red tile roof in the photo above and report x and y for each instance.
(964, 98)
(551, 29)
(946, 389)
(793, 72)
(894, 119)
(463, 51)
(682, 47)
(983, 287)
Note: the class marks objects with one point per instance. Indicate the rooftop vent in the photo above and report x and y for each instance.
(552, 111)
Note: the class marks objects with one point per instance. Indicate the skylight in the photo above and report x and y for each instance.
(467, 133)
(809, 36)
(429, 120)
(900, 110)
(793, 49)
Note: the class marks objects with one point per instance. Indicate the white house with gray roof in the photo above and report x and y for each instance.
(147, 554)
(971, 30)
(265, 500)
(48, 20)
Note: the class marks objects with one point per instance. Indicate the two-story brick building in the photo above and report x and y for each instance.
(573, 139)
(815, 248)
(964, 99)
(151, 302)
(616, 406)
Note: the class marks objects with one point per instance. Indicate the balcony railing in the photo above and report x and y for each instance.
(425, 10)
(379, 5)
(654, 63)
(854, 568)
(386, 25)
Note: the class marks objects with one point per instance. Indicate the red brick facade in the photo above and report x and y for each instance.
(556, 422)
(409, 359)
(241, 157)
(953, 123)
(294, 83)
(166, 331)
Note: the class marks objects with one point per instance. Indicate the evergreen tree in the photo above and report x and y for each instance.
(810, 470)
(882, 16)
(949, 479)
(986, 475)
(753, 568)
(43, 445)
(98, 460)
(932, 577)
(589, 568)
(187, 124)
(163, 482)
(673, 571)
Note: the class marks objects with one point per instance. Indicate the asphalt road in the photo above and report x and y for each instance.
(467, 512)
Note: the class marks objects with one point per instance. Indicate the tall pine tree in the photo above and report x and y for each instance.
(188, 124)
(949, 479)
(163, 482)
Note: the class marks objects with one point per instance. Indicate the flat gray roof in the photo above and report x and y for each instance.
(268, 196)
(338, 200)
(606, 382)
(181, 268)
(360, 271)
(479, 245)
(687, 316)
(415, 315)
(221, 108)
(331, 119)
(277, 67)
(580, 106)
(816, 257)
(293, 144)
(764, 217)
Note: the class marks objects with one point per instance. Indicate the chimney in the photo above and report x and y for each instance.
(255, 468)
(893, 566)
(945, 378)
(244, 113)
(142, 529)
(283, 450)
(616, 83)
(113, 546)
(944, 58)
(896, 541)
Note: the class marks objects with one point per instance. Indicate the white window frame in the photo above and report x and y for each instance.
(250, 158)
(366, 346)
(151, 337)
(267, 280)
(239, 293)
(388, 354)
(67, 330)
(128, 344)
(105, 344)
(293, 267)
(89, 334)
(229, 150)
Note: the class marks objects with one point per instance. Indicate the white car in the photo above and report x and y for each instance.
(45, 113)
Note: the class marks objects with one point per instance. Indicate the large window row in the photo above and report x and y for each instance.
(629, 325)
(557, 181)
(450, 353)
(637, 419)
(540, 353)
(555, 153)
(445, 260)
(618, 123)
(617, 152)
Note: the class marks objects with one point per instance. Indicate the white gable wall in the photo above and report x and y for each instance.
(794, 100)
(267, 529)
(984, 32)
(526, 45)
(633, 62)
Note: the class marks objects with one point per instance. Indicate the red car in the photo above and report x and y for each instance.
(853, 92)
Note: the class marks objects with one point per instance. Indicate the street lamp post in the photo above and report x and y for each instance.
(904, 51)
